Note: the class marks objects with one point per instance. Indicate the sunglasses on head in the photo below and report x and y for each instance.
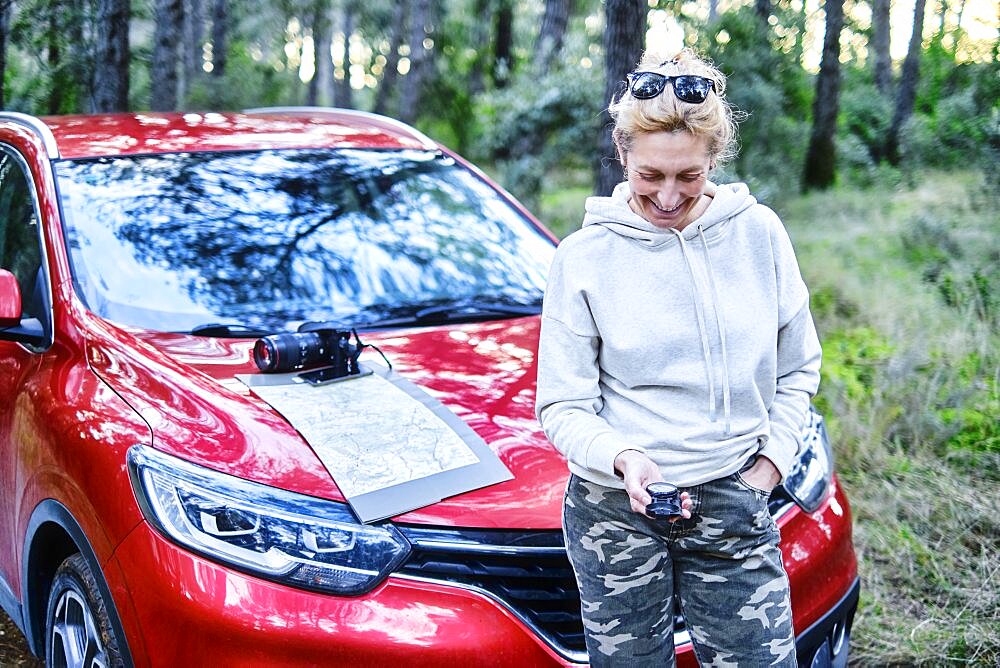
(687, 87)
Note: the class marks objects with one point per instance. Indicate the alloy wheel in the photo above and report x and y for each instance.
(75, 639)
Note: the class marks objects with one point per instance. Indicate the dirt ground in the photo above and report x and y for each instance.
(13, 648)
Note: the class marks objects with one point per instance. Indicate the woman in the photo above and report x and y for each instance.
(677, 345)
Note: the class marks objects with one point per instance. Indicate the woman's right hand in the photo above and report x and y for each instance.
(638, 470)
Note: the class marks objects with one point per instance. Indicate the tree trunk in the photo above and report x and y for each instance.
(54, 57)
(168, 16)
(880, 46)
(480, 36)
(220, 29)
(907, 93)
(821, 157)
(551, 35)
(713, 10)
(503, 43)
(763, 9)
(194, 37)
(624, 36)
(4, 30)
(343, 94)
(322, 33)
(81, 43)
(112, 56)
(191, 55)
(413, 82)
(387, 85)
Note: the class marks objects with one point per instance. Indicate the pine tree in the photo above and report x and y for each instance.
(821, 157)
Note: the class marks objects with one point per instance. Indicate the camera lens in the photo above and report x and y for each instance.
(288, 352)
(666, 500)
(264, 355)
(661, 489)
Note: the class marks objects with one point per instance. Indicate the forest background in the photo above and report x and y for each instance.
(871, 126)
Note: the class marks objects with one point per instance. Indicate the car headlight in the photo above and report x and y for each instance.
(290, 538)
(811, 474)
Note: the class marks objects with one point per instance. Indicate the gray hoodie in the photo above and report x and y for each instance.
(695, 347)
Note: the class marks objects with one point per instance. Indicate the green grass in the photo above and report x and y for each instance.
(560, 204)
(905, 284)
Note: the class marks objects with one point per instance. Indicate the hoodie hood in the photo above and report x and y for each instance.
(615, 214)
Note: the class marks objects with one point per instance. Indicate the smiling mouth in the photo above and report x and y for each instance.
(666, 212)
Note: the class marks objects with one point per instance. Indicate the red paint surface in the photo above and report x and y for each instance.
(484, 373)
(124, 134)
(227, 618)
(818, 555)
(10, 300)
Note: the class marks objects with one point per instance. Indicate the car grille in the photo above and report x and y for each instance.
(525, 571)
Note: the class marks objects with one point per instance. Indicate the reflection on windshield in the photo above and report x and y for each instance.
(273, 238)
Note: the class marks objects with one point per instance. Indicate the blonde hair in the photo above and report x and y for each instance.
(713, 119)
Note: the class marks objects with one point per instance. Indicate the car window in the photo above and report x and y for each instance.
(20, 251)
(273, 238)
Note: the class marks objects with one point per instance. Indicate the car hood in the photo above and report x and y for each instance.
(185, 388)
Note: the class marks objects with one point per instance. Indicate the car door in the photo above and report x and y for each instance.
(21, 253)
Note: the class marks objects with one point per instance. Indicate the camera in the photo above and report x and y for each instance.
(666, 500)
(312, 346)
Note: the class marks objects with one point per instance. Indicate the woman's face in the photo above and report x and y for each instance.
(667, 173)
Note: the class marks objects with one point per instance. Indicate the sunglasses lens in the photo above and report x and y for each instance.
(692, 89)
(647, 85)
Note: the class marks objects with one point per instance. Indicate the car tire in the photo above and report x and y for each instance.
(78, 631)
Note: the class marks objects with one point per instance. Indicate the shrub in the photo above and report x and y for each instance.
(539, 126)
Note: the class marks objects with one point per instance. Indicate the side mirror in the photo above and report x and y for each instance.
(10, 300)
(29, 331)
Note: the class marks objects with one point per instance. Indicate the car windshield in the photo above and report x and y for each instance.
(271, 239)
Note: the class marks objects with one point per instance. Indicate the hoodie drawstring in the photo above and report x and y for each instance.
(702, 330)
(721, 323)
(706, 349)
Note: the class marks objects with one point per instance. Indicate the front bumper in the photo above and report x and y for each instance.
(188, 610)
(825, 643)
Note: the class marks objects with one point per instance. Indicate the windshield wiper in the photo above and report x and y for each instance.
(439, 311)
(477, 308)
(230, 331)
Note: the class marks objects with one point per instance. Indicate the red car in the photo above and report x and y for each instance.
(156, 510)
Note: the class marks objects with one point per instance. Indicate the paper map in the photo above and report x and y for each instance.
(368, 433)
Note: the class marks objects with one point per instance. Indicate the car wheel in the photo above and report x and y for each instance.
(78, 632)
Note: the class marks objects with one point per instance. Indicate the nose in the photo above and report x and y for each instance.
(667, 195)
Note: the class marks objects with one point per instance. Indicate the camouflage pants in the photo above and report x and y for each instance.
(723, 563)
